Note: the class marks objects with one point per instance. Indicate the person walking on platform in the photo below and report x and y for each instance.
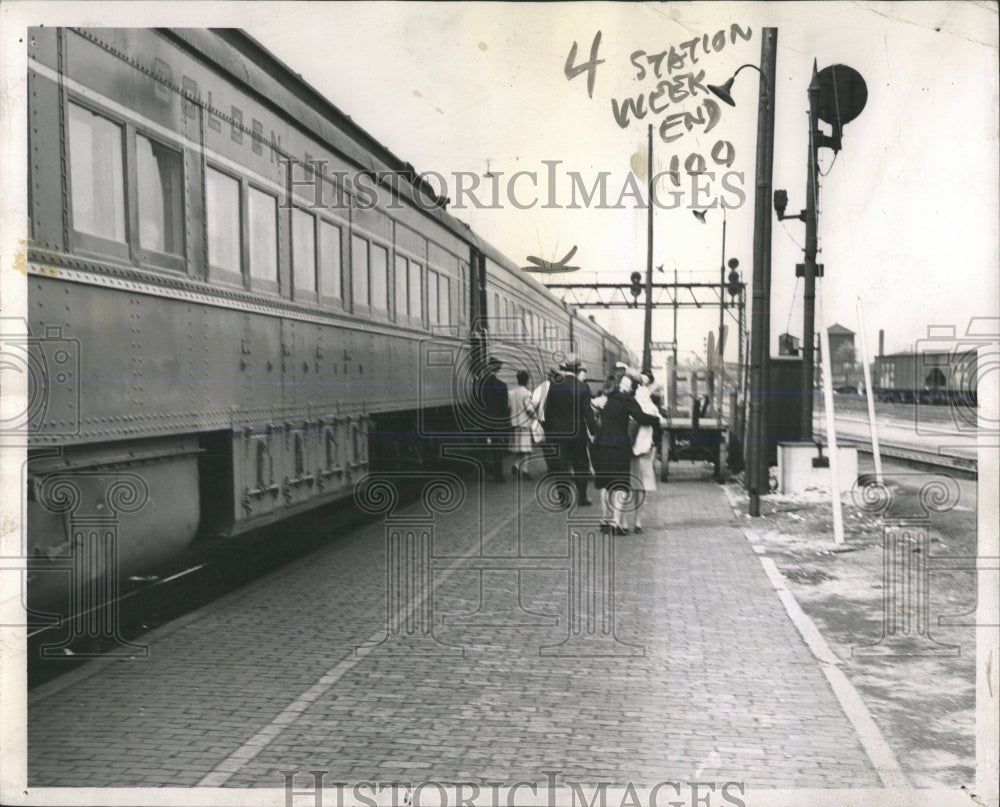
(521, 415)
(581, 376)
(643, 449)
(613, 449)
(568, 417)
(538, 397)
(598, 402)
(493, 404)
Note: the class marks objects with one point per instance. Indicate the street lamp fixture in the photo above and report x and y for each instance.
(724, 93)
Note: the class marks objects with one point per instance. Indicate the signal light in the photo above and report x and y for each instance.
(780, 203)
(636, 279)
(734, 282)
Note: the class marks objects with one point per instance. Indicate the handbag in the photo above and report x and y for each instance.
(537, 432)
(643, 440)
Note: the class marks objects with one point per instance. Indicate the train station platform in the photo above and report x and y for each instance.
(477, 635)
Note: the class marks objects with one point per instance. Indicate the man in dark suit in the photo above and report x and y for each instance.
(492, 395)
(569, 424)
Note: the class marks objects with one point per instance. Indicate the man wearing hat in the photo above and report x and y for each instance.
(569, 422)
(492, 398)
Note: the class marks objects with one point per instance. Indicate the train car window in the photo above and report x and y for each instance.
(263, 243)
(264, 469)
(222, 213)
(161, 197)
(444, 299)
(496, 313)
(97, 174)
(432, 298)
(400, 280)
(359, 273)
(463, 291)
(304, 252)
(299, 456)
(330, 283)
(331, 448)
(416, 291)
(380, 279)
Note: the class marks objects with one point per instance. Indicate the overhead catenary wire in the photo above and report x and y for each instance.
(791, 305)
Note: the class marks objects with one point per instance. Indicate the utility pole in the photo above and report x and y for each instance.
(760, 341)
(721, 343)
(647, 336)
(673, 373)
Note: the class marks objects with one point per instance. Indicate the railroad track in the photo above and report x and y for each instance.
(913, 454)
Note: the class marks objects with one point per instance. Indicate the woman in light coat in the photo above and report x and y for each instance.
(522, 412)
(643, 448)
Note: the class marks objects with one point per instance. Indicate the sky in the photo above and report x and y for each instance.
(908, 209)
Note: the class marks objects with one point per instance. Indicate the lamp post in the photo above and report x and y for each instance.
(757, 476)
(647, 335)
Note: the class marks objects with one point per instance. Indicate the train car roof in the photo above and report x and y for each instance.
(909, 354)
(236, 53)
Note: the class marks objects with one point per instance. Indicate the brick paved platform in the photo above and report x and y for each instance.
(485, 637)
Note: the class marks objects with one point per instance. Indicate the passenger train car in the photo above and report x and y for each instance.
(239, 301)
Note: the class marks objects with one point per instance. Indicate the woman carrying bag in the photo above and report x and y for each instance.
(524, 423)
(643, 475)
(613, 451)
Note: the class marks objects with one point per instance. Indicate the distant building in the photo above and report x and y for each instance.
(788, 345)
(844, 369)
(841, 342)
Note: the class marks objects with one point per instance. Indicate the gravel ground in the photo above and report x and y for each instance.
(921, 693)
